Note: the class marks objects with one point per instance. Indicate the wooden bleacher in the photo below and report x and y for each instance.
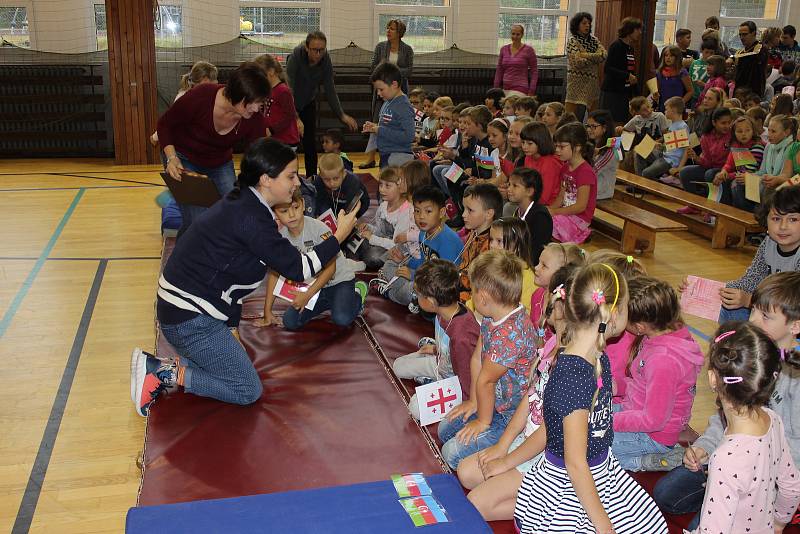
(728, 230)
(639, 229)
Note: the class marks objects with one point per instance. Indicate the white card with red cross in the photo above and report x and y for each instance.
(437, 399)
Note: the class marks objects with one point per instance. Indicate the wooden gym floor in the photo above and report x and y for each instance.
(79, 255)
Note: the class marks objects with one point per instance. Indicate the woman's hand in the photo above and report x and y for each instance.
(350, 122)
(772, 181)
(403, 272)
(345, 223)
(174, 167)
(267, 320)
(490, 453)
(633, 80)
(739, 177)
(494, 467)
(301, 128)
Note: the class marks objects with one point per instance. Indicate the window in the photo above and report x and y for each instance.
(666, 22)
(412, 3)
(425, 33)
(14, 26)
(545, 22)
(749, 9)
(283, 27)
(169, 26)
(100, 27)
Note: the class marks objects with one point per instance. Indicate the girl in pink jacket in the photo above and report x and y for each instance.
(662, 374)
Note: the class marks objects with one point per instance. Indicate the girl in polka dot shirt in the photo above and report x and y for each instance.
(753, 484)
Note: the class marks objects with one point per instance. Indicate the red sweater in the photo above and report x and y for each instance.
(188, 125)
(550, 169)
(715, 149)
(281, 117)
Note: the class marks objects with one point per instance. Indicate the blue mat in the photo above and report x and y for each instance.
(360, 508)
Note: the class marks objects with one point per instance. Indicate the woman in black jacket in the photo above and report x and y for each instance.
(619, 80)
(220, 259)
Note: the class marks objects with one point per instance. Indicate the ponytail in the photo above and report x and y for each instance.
(185, 83)
(264, 156)
(575, 134)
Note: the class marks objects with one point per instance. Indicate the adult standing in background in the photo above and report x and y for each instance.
(308, 66)
(584, 55)
(392, 50)
(619, 82)
(751, 61)
(517, 69)
(199, 130)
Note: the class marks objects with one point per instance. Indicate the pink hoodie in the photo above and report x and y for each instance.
(618, 352)
(660, 395)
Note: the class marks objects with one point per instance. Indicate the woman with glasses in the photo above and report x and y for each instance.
(198, 132)
(307, 67)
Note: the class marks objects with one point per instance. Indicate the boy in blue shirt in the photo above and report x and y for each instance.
(666, 161)
(395, 128)
(436, 240)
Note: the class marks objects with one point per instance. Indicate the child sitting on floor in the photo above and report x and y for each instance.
(525, 106)
(332, 141)
(753, 482)
(338, 291)
(552, 114)
(391, 219)
(553, 257)
(573, 209)
(511, 234)
(537, 145)
(436, 240)
(524, 189)
(502, 358)
(336, 187)
(456, 331)
(663, 367)
(483, 205)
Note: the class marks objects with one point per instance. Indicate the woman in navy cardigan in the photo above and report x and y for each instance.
(220, 259)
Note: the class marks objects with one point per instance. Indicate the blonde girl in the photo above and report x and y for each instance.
(392, 218)
(552, 114)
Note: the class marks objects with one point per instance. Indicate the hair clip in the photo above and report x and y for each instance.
(600, 382)
(629, 259)
(724, 335)
(540, 332)
(560, 292)
(598, 297)
(601, 328)
(732, 379)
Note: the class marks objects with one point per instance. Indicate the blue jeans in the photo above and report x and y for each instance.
(217, 365)
(695, 173)
(394, 159)
(341, 299)
(736, 314)
(224, 178)
(681, 492)
(629, 447)
(738, 197)
(454, 451)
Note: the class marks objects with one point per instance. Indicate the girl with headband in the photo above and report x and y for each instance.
(578, 485)
(753, 484)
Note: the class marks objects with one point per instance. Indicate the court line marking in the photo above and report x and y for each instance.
(141, 185)
(115, 258)
(103, 178)
(698, 333)
(5, 322)
(33, 490)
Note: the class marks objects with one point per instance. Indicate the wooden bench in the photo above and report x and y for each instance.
(638, 233)
(728, 230)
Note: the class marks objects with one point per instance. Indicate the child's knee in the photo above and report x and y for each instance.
(250, 389)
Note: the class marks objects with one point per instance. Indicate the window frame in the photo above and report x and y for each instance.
(28, 6)
(572, 9)
(680, 18)
(321, 5)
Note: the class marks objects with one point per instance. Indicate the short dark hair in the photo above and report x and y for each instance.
(335, 135)
(751, 26)
(531, 179)
(432, 96)
(790, 30)
(248, 84)
(538, 133)
(712, 22)
(495, 94)
(682, 32)
(788, 67)
(387, 73)
(438, 279)
(718, 114)
(628, 26)
(528, 102)
(779, 291)
(709, 44)
(263, 156)
(316, 34)
(575, 21)
(489, 196)
(430, 193)
(786, 200)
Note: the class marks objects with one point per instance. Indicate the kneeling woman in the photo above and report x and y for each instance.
(221, 258)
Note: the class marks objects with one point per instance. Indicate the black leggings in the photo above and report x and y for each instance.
(309, 117)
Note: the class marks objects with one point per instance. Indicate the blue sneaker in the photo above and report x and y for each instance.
(149, 378)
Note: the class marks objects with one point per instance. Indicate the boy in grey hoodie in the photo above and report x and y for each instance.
(776, 310)
(395, 128)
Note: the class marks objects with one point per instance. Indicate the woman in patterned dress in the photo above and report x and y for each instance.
(584, 55)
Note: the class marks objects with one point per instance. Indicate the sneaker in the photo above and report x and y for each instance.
(664, 461)
(688, 210)
(363, 290)
(425, 341)
(149, 378)
(422, 380)
(379, 285)
(413, 308)
(367, 165)
(709, 219)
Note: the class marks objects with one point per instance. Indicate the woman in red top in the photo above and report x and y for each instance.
(199, 130)
(280, 114)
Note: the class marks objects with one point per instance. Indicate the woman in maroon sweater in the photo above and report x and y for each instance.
(281, 116)
(199, 130)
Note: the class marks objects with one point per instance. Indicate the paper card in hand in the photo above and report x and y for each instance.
(677, 139)
(354, 242)
(752, 187)
(645, 147)
(652, 85)
(329, 219)
(437, 399)
(701, 298)
(288, 290)
(694, 141)
(194, 189)
(453, 173)
(627, 139)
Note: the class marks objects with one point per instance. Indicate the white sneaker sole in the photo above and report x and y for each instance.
(138, 372)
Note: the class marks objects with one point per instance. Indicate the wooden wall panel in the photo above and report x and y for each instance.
(132, 72)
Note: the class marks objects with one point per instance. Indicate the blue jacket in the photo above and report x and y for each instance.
(396, 126)
(224, 255)
(445, 245)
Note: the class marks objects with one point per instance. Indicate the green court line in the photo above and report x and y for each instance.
(5, 322)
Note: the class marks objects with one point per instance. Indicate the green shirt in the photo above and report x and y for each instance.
(791, 154)
(698, 72)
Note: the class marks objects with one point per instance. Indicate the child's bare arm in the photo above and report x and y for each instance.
(485, 391)
(467, 408)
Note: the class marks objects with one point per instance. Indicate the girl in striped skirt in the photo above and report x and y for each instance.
(578, 486)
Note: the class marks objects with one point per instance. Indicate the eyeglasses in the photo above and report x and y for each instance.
(593, 126)
(317, 50)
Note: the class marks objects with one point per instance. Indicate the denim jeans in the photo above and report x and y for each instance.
(224, 178)
(341, 299)
(652, 167)
(217, 365)
(738, 197)
(629, 447)
(394, 159)
(681, 491)
(454, 451)
(439, 178)
(695, 173)
(736, 314)
(401, 289)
